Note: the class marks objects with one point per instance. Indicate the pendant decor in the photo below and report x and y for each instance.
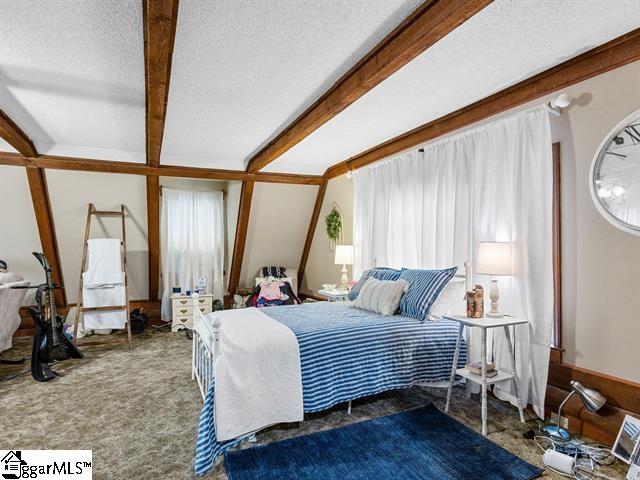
(333, 223)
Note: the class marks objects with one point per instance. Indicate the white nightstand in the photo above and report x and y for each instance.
(183, 309)
(484, 324)
(334, 295)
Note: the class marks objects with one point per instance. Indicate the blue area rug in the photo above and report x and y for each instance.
(420, 444)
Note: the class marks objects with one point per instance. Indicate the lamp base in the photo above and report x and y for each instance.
(556, 432)
(344, 280)
(494, 315)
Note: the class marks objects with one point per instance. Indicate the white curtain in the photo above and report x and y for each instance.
(430, 209)
(192, 242)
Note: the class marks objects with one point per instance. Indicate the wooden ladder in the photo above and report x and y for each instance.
(123, 249)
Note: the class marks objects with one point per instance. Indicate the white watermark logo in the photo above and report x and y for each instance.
(46, 464)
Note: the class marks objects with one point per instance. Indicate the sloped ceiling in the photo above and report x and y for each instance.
(72, 72)
(504, 43)
(72, 76)
(242, 70)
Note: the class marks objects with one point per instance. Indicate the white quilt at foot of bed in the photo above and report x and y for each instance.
(257, 374)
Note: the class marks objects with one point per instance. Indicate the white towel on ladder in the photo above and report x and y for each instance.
(103, 285)
(104, 263)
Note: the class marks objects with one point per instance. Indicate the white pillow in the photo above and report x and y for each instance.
(381, 296)
(451, 295)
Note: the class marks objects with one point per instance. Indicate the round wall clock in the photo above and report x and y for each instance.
(615, 176)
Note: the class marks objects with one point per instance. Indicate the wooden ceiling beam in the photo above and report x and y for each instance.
(430, 22)
(108, 166)
(15, 137)
(242, 227)
(153, 234)
(322, 189)
(46, 228)
(611, 55)
(159, 23)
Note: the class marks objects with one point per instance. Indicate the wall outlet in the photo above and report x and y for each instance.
(564, 421)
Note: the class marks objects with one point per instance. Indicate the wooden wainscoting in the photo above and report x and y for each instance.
(623, 398)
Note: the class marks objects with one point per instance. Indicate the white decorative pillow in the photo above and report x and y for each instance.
(381, 296)
(452, 294)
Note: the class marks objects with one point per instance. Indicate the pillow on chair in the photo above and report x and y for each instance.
(381, 296)
(424, 288)
(277, 272)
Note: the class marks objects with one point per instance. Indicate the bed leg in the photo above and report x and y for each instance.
(349, 408)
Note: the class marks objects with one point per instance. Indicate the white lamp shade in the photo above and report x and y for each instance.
(344, 255)
(495, 258)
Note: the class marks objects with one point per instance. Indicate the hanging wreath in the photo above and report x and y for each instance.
(333, 222)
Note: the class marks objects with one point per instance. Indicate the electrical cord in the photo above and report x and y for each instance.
(588, 457)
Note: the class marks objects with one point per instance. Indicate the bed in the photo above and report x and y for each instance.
(345, 354)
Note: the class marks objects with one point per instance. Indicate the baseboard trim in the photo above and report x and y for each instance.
(620, 393)
(151, 308)
(623, 398)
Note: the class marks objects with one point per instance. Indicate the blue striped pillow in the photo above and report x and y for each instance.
(379, 273)
(424, 288)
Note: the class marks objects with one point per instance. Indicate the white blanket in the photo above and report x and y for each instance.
(103, 285)
(111, 296)
(104, 263)
(258, 377)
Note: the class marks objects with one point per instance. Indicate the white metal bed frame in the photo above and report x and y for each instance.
(206, 343)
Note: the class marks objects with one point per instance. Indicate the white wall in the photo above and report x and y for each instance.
(70, 193)
(277, 227)
(18, 229)
(320, 264)
(600, 264)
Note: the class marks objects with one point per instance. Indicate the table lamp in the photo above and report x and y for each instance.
(592, 399)
(494, 258)
(344, 257)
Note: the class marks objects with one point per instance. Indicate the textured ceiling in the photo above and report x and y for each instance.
(506, 42)
(72, 72)
(72, 76)
(243, 69)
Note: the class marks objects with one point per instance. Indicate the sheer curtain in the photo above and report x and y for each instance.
(430, 209)
(192, 241)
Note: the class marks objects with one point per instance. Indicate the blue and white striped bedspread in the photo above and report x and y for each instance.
(347, 353)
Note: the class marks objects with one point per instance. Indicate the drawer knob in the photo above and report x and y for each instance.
(183, 320)
(183, 310)
(201, 300)
(183, 302)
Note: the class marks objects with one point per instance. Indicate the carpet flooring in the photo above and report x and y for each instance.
(138, 411)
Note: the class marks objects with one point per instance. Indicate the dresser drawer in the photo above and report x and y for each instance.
(179, 323)
(203, 301)
(180, 311)
(204, 309)
(182, 302)
(184, 320)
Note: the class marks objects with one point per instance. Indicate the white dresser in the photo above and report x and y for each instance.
(183, 309)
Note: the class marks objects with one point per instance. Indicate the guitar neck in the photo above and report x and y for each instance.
(52, 307)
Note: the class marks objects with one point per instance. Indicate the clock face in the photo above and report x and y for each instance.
(616, 177)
